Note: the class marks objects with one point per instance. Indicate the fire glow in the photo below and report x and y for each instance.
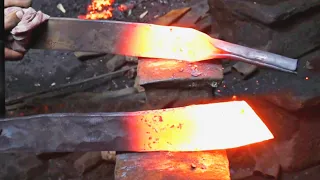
(197, 128)
(103, 9)
(165, 42)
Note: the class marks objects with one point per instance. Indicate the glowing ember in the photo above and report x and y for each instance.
(197, 128)
(102, 9)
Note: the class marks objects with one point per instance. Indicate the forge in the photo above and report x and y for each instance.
(153, 118)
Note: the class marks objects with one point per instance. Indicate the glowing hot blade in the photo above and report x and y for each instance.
(154, 41)
(125, 38)
(197, 128)
(192, 128)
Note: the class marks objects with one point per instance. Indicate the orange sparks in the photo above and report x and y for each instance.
(197, 128)
(103, 9)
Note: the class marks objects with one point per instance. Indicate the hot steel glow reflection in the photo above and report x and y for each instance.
(198, 127)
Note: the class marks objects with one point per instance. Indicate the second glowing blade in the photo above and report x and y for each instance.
(124, 38)
(166, 42)
(199, 127)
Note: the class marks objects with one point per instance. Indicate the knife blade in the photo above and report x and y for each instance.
(176, 129)
(148, 41)
(123, 38)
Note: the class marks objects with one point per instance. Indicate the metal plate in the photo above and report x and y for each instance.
(173, 72)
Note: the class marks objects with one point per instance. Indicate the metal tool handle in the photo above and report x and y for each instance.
(255, 56)
(254, 62)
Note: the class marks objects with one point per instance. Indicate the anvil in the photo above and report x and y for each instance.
(148, 41)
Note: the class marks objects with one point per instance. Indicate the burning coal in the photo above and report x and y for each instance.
(104, 9)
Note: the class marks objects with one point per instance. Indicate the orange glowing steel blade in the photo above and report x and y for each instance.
(199, 127)
(192, 128)
(125, 38)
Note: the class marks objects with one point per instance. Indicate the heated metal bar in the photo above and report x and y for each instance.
(255, 56)
(172, 166)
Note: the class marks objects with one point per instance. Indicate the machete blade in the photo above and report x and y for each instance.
(191, 128)
(124, 38)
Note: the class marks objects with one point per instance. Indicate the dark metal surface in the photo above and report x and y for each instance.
(173, 166)
(78, 35)
(64, 133)
(70, 87)
(170, 73)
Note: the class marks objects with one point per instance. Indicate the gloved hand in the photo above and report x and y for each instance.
(19, 21)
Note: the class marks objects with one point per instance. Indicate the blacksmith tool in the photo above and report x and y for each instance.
(148, 41)
(177, 129)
